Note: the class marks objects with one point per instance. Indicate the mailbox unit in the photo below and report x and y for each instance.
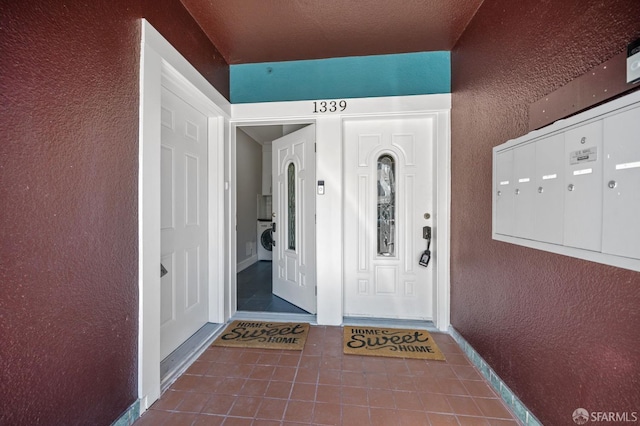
(573, 187)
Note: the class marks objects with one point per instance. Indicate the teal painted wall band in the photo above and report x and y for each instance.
(403, 74)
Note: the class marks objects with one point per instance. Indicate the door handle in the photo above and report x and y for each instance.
(273, 230)
(163, 271)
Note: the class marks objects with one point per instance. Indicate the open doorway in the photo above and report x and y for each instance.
(268, 220)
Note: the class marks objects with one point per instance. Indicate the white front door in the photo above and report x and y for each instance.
(184, 222)
(294, 254)
(388, 191)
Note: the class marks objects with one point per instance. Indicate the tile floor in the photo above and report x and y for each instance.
(255, 291)
(322, 386)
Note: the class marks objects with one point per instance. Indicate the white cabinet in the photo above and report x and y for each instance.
(573, 187)
(621, 207)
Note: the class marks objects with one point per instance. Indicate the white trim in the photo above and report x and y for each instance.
(329, 168)
(159, 59)
(246, 263)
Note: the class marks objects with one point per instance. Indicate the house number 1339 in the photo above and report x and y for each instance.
(329, 106)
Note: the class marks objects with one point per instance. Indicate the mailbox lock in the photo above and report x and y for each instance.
(517, 192)
(571, 187)
(612, 184)
(499, 193)
(540, 190)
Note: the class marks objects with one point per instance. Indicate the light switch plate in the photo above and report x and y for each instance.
(633, 62)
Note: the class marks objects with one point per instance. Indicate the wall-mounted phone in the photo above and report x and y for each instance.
(425, 257)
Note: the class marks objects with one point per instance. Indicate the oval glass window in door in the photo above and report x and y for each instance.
(386, 206)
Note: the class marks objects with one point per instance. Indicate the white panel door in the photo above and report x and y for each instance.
(388, 169)
(621, 208)
(294, 254)
(184, 222)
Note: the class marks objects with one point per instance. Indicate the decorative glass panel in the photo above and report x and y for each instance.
(386, 206)
(291, 205)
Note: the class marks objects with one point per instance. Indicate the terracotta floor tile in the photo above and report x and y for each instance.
(355, 396)
(272, 409)
(329, 393)
(473, 421)
(304, 391)
(355, 415)
(463, 405)
(208, 420)
(322, 386)
(467, 372)
(299, 411)
(381, 398)
(384, 417)
(327, 414)
(219, 404)
(307, 375)
(278, 389)
(180, 419)
(245, 406)
(351, 378)
(284, 374)
(170, 400)
(194, 403)
(435, 402)
(253, 387)
(262, 372)
(330, 377)
(479, 389)
(437, 419)
(493, 408)
(407, 400)
(413, 418)
(237, 421)
(378, 381)
(452, 387)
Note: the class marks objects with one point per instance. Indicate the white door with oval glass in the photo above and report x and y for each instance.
(388, 199)
(294, 255)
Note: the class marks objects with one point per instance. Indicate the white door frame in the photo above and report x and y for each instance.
(158, 61)
(231, 301)
(329, 206)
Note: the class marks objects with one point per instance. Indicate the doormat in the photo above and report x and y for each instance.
(390, 342)
(265, 335)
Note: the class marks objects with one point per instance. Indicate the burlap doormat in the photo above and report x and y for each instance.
(266, 335)
(390, 342)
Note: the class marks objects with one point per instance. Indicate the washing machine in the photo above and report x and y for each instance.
(265, 240)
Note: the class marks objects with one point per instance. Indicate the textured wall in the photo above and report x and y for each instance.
(563, 333)
(68, 204)
(249, 185)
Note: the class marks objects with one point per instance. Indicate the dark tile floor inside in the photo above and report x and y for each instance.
(321, 386)
(255, 291)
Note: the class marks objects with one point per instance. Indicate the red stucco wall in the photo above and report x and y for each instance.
(68, 202)
(563, 333)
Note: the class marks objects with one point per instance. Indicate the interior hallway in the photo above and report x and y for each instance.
(321, 386)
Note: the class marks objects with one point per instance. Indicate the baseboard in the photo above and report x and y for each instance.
(129, 416)
(246, 263)
(513, 402)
